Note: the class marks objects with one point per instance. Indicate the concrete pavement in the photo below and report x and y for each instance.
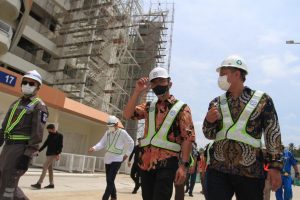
(70, 186)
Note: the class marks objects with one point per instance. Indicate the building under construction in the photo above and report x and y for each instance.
(90, 54)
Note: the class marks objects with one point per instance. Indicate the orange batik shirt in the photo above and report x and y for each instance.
(182, 129)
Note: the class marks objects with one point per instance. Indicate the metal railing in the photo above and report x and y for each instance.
(80, 163)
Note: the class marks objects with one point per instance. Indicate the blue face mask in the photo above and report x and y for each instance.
(160, 89)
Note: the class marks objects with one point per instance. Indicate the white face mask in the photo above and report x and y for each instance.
(223, 83)
(27, 89)
(111, 128)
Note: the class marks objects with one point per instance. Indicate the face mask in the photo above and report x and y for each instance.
(111, 128)
(160, 89)
(223, 83)
(27, 89)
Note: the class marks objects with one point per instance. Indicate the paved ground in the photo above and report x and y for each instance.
(91, 187)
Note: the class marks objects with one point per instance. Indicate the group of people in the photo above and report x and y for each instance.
(235, 121)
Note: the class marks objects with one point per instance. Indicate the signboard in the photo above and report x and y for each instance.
(7, 79)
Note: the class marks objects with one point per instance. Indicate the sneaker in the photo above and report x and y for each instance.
(191, 195)
(36, 186)
(50, 186)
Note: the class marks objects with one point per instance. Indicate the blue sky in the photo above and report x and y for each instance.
(207, 31)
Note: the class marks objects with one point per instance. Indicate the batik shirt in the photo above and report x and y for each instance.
(182, 129)
(234, 157)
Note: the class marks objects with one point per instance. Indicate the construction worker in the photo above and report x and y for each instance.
(114, 140)
(236, 121)
(22, 131)
(54, 144)
(288, 162)
(168, 135)
(135, 170)
(192, 174)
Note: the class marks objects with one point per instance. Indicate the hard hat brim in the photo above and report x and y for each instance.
(32, 78)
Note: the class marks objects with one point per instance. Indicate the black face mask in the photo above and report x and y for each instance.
(160, 89)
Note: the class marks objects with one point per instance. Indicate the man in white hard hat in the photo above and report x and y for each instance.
(114, 141)
(168, 135)
(22, 131)
(236, 121)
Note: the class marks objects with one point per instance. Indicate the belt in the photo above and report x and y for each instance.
(10, 142)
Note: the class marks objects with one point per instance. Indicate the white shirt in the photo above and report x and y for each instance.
(124, 140)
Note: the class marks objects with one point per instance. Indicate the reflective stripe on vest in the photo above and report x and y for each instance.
(159, 139)
(208, 154)
(10, 126)
(237, 131)
(191, 161)
(111, 146)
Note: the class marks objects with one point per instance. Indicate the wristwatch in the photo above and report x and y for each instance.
(184, 164)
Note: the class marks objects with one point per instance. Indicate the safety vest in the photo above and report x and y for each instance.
(237, 130)
(159, 138)
(10, 126)
(111, 145)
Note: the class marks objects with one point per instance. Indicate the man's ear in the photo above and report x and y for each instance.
(170, 84)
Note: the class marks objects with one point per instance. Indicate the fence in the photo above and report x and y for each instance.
(80, 163)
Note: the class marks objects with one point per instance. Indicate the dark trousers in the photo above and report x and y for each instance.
(224, 186)
(179, 192)
(111, 171)
(135, 175)
(190, 182)
(158, 184)
(9, 175)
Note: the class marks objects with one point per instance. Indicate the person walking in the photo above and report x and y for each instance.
(114, 141)
(22, 131)
(192, 174)
(285, 191)
(168, 135)
(236, 121)
(54, 144)
(135, 170)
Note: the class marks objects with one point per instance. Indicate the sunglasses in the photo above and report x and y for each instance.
(28, 82)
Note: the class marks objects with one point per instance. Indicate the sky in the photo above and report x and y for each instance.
(207, 31)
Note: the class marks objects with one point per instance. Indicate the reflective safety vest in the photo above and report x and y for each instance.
(159, 138)
(111, 145)
(237, 130)
(11, 125)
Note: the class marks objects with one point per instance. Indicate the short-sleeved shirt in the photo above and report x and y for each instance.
(182, 129)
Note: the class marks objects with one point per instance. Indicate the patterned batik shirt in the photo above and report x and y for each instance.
(182, 129)
(234, 157)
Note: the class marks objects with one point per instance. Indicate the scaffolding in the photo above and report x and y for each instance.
(105, 46)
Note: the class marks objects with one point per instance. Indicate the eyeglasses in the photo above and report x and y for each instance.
(28, 82)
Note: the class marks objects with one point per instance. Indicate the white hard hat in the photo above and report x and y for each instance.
(112, 120)
(34, 75)
(158, 72)
(234, 61)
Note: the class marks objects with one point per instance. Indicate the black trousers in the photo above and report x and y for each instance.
(135, 175)
(222, 186)
(158, 184)
(190, 182)
(111, 171)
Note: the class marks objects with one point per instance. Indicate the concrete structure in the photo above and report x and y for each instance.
(89, 53)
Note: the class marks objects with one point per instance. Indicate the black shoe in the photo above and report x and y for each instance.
(36, 186)
(51, 186)
(191, 195)
(187, 190)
